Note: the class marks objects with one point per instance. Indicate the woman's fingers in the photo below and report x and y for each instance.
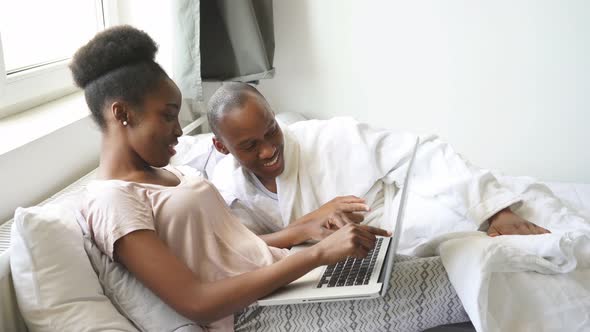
(358, 246)
(375, 230)
(352, 240)
(367, 244)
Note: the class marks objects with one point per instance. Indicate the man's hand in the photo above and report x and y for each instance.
(333, 215)
(507, 222)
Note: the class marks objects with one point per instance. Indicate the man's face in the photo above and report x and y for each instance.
(254, 138)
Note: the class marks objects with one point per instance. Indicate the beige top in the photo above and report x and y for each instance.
(192, 219)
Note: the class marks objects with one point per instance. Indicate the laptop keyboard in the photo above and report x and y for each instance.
(352, 271)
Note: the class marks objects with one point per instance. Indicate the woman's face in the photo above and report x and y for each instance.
(155, 129)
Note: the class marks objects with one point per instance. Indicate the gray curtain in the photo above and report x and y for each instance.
(237, 40)
(186, 64)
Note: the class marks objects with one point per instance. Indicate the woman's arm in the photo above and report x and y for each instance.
(148, 258)
(320, 223)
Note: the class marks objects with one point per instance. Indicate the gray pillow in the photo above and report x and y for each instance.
(133, 300)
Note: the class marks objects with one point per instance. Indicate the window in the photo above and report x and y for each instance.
(37, 40)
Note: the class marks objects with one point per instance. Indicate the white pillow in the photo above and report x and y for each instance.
(190, 147)
(197, 152)
(55, 285)
(289, 118)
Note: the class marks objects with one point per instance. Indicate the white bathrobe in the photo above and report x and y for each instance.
(506, 283)
(329, 158)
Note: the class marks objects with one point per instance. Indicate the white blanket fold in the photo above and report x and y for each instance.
(519, 283)
(338, 157)
(523, 283)
(323, 160)
(507, 283)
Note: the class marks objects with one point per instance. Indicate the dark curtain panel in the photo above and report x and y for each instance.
(237, 40)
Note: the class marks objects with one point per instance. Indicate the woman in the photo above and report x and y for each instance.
(168, 226)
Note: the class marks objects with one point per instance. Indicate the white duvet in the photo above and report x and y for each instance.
(505, 283)
(523, 283)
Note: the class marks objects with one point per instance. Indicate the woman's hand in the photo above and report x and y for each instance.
(320, 223)
(333, 215)
(507, 222)
(351, 240)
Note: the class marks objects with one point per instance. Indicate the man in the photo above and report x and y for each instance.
(336, 170)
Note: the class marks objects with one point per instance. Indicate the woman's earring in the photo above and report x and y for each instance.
(125, 122)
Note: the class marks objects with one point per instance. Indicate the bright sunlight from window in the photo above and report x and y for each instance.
(38, 32)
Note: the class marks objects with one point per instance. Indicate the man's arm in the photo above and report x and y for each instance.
(288, 237)
(320, 223)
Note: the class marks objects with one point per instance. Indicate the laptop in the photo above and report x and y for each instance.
(352, 278)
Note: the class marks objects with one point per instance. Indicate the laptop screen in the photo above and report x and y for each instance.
(388, 267)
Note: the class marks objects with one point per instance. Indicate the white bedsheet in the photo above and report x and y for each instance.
(576, 195)
(340, 156)
(508, 283)
(526, 283)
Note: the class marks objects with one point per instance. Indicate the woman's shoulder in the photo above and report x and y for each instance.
(114, 208)
(115, 195)
(120, 193)
(114, 202)
(107, 188)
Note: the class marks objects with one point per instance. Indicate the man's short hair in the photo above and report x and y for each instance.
(229, 96)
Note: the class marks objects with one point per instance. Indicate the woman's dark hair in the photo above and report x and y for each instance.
(116, 63)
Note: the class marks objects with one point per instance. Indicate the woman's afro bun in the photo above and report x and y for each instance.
(109, 50)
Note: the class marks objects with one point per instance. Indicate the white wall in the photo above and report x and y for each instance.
(506, 82)
(154, 17)
(37, 170)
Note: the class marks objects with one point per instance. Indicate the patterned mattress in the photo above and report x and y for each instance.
(420, 297)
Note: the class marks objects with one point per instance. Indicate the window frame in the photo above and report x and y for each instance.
(39, 84)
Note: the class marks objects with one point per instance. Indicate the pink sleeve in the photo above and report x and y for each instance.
(115, 210)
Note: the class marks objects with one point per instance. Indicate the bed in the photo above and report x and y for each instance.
(198, 146)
